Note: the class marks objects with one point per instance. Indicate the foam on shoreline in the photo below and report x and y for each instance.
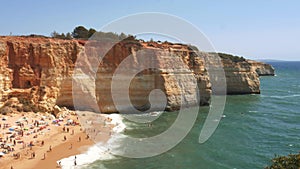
(99, 151)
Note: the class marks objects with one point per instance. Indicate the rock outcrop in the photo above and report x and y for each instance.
(38, 71)
(262, 69)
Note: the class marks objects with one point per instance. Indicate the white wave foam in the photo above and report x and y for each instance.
(280, 97)
(293, 95)
(252, 111)
(117, 120)
(156, 113)
(94, 153)
(99, 151)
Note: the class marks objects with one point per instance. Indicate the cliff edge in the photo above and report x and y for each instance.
(36, 74)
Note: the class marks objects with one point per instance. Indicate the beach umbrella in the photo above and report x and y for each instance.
(22, 119)
(2, 154)
(7, 145)
(11, 129)
(42, 122)
(52, 117)
(15, 127)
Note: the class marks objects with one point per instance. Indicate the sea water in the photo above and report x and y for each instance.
(253, 129)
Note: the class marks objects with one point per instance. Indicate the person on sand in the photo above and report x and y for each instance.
(17, 156)
(44, 156)
(50, 148)
(75, 163)
(42, 143)
(58, 164)
(65, 138)
(79, 139)
(71, 146)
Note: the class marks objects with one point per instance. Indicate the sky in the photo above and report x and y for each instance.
(256, 29)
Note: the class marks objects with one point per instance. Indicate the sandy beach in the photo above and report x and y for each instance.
(57, 139)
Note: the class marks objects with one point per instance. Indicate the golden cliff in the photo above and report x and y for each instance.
(36, 74)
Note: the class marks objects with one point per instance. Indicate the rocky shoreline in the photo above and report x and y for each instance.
(36, 74)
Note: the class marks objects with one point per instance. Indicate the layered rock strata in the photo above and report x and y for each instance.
(40, 71)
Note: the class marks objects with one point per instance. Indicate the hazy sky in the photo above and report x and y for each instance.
(256, 29)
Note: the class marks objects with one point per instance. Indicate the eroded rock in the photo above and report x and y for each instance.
(38, 71)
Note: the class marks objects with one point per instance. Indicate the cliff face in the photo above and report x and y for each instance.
(40, 71)
(240, 78)
(170, 68)
(262, 69)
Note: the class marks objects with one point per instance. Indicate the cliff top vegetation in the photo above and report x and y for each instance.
(230, 57)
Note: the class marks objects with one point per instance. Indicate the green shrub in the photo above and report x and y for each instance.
(192, 47)
(291, 161)
(230, 57)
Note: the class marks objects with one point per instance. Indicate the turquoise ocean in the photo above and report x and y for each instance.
(253, 130)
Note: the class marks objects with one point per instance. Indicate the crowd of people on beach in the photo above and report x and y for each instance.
(32, 135)
(20, 133)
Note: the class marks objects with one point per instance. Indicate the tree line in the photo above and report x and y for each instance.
(80, 32)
